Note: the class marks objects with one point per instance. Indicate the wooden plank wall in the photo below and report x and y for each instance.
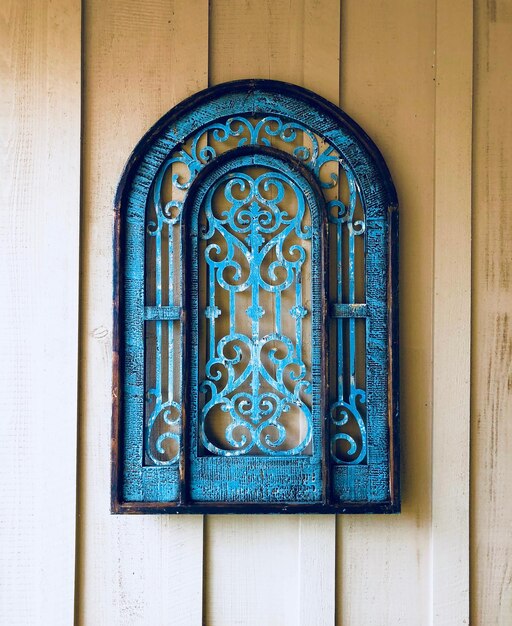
(491, 450)
(452, 313)
(387, 85)
(39, 229)
(403, 70)
(386, 81)
(140, 59)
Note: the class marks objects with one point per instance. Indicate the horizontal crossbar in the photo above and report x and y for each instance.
(162, 313)
(349, 310)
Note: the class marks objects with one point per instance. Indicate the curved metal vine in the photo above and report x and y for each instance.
(255, 415)
(260, 254)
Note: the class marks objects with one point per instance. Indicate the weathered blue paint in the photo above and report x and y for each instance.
(346, 407)
(266, 226)
(162, 313)
(260, 229)
(343, 456)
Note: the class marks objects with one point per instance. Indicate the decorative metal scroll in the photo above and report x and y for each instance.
(264, 253)
(224, 324)
(347, 407)
(292, 137)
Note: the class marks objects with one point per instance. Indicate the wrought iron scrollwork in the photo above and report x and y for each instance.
(345, 412)
(248, 431)
(262, 252)
(239, 131)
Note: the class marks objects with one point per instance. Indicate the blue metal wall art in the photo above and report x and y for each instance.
(255, 311)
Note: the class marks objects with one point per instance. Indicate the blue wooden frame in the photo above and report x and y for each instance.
(209, 483)
(287, 477)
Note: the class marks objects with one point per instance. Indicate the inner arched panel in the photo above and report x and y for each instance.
(255, 316)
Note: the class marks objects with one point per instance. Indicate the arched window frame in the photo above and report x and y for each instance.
(372, 487)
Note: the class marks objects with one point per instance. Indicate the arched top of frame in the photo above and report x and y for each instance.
(291, 108)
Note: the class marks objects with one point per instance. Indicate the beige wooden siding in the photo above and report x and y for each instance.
(491, 388)
(140, 59)
(434, 94)
(387, 85)
(39, 231)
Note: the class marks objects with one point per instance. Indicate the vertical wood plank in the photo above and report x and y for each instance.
(297, 42)
(317, 570)
(452, 313)
(251, 574)
(387, 56)
(140, 60)
(258, 40)
(321, 60)
(491, 435)
(317, 533)
(39, 232)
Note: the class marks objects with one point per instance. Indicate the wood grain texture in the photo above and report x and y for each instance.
(251, 573)
(491, 436)
(140, 60)
(452, 313)
(297, 42)
(317, 570)
(39, 231)
(387, 86)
